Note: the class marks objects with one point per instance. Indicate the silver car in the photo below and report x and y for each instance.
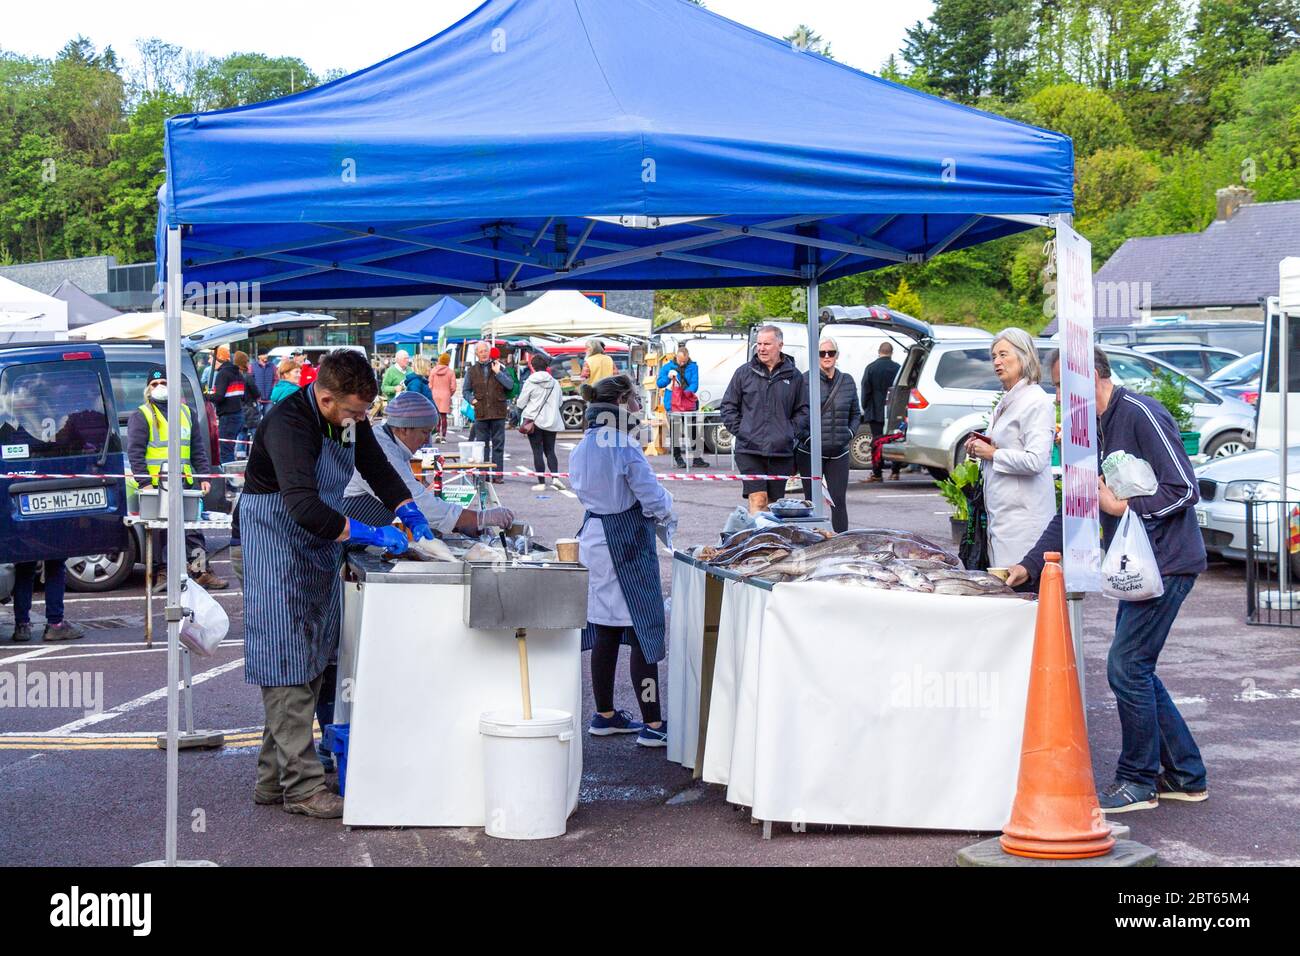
(1226, 484)
(945, 391)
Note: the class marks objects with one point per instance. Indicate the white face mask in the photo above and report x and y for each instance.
(159, 394)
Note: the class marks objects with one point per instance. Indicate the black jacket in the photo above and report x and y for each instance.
(840, 414)
(876, 383)
(1142, 427)
(228, 390)
(766, 411)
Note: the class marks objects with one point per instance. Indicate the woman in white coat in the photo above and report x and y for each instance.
(540, 420)
(626, 509)
(1016, 460)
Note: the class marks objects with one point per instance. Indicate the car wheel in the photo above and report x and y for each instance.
(1228, 443)
(938, 474)
(860, 450)
(718, 440)
(102, 572)
(571, 413)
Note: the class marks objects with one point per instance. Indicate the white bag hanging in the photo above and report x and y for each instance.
(1129, 571)
(208, 624)
(1128, 476)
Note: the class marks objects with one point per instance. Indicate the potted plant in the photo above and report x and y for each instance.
(953, 488)
(1171, 392)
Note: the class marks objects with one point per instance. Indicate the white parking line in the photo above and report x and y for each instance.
(161, 595)
(91, 719)
(141, 650)
(28, 655)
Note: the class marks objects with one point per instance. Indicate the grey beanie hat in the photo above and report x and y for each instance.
(411, 410)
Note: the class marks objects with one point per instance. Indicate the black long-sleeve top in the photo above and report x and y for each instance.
(283, 461)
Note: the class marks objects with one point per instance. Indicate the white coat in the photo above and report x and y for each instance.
(1019, 490)
(539, 401)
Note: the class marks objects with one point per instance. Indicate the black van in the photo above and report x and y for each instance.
(62, 493)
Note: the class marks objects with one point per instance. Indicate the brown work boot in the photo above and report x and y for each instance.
(211, 582)
(872, 479)
(63, 631)
(267, 798)
(322, 805)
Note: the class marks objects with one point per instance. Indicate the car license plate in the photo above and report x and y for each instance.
(1201, 517)
(53, 502)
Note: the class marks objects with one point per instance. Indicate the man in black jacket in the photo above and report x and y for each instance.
(877, 380)
(227, 397)
(1158, 756)
(765, 408)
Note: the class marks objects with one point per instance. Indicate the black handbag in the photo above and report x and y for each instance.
(974, 549)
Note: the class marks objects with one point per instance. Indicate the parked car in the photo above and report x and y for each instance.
(58, 418)
(1242, 337)
(946, 390)
(1226, 484)
(1240, 379)
(1196, 361)
(6, 582)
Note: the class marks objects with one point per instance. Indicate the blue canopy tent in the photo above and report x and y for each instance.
(540, 144)
(423, 326)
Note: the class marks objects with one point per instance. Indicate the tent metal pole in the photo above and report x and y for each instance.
(175, 521)
(814, 396)
(1283, 443)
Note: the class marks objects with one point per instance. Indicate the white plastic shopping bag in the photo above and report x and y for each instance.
(1129, 572)
(1128, 476)
(208, 624)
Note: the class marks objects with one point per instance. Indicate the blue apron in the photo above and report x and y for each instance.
(293, 592)
(631, 539)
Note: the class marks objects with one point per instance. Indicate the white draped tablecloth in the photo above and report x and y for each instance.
(840, 705)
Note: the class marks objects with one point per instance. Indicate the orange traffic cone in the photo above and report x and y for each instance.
(1055, 815)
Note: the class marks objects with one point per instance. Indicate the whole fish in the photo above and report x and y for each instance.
(868, 569)
(912, 579)
(855, 580)
(922, 564)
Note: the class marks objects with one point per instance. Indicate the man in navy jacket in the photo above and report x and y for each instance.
(1158, 756)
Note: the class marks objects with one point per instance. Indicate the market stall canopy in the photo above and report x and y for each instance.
(565, 313)
(28, 316)
(469, 324)
(83, 308)
(423, 326)
(566, 143)
(143, 325)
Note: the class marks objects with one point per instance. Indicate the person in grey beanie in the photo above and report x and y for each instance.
(409, 420)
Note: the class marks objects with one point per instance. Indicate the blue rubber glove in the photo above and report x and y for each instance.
(415, 521)
(386, 537)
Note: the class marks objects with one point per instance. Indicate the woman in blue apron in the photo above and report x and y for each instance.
(303, 457)
(625, 508)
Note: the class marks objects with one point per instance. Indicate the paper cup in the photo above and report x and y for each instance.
(1002, 573)
(566, 549)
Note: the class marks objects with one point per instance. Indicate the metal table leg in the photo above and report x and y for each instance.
(148, 587)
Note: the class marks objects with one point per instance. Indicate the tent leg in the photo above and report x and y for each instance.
(814, 400)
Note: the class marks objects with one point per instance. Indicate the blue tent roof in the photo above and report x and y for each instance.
(423, 326)
(552, 143)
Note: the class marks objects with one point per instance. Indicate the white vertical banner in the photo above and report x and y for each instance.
(1079, 501)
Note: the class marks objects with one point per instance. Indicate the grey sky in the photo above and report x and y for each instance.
(355, 33)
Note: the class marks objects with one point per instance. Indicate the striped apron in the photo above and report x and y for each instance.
(293, 592)
(631, 539)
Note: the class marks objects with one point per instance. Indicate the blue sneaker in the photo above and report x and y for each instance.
(620, 723)
(1167, 788)
(1124, 795)
(653, 736)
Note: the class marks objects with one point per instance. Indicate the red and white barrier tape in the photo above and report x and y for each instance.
(666, 476)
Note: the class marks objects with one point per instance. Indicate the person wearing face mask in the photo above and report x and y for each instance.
(146, 448)
(626, 508)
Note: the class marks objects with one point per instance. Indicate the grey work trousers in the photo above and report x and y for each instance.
(287, 762)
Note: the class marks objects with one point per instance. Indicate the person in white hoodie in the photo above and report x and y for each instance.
(1016, 455)
(539, 406)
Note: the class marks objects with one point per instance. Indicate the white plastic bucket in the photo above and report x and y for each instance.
(526, 773)
(471, 450)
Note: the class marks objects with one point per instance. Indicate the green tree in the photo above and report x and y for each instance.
(805, 37)
(904, 300)
(243, 78)
(1089, 117)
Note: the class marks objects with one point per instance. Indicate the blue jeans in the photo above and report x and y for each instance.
(1153, 733)
(228, 427)
(56, 578)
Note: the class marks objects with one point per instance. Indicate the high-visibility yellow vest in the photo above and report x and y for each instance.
(155, 455)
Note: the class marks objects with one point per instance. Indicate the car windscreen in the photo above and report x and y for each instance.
(129, 379)
(53, 410)
(1237, 371)
(1133, 372)
(967, 368)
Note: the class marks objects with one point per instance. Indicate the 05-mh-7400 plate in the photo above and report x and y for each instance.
(51, 502)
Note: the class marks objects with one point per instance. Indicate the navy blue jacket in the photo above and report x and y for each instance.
(1142, 427)
(766, 411)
